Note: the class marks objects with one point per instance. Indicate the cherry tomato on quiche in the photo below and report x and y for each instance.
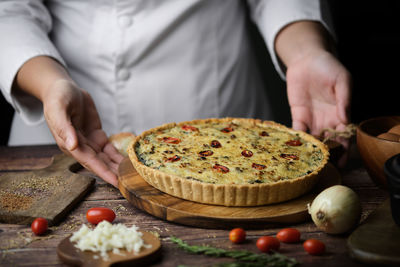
(39, 226)
(215, 144)
(227, 130)
(314, 247)
(220, 168)
(237, 235)
(98, 214)
(288, 235)
(294, 143)
(189, 128)
(268, 243)
(171, 140)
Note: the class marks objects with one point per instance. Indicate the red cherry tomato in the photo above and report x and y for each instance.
(173, 159)
(206, 153)
(289, 156)
(227, 130)
(268, 243)
(294, 143)
(171, 140)
(288, 235)
(314, 247)
(220, 168)
(39, 226)
(247, 153)
(237, 235)
(215, 144)
(96, 215)
(189, 128)
(258, 166)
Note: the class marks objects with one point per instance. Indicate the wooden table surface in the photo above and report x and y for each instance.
(19, 247)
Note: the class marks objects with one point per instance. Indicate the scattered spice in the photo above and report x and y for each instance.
(22, 193)
(15, 201)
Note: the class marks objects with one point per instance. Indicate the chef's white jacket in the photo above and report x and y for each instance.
(145, 62)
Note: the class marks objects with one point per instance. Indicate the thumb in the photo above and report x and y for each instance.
(62, 129)
(71, 139)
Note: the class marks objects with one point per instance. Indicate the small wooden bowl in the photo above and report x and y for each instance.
(375, 151)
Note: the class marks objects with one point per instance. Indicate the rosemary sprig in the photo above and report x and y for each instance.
(274, 259)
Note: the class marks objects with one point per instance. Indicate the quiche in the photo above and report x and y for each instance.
(229, 161)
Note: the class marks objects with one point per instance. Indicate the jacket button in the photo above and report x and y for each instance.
(125, 21)
(123, 74)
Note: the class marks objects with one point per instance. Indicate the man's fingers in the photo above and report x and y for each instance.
(95, 162)
(89, 141)
(299, 125)
(343, 96)
(109, 163)
(61, 126)
(113, 153)
(65, 134)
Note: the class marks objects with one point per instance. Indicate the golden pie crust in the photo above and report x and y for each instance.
(230, 194)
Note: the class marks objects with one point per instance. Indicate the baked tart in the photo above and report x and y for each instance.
(229, 161)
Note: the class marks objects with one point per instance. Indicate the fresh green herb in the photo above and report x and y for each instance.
(244, 256)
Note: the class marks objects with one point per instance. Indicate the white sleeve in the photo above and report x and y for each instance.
(273, 15)
(24, 28)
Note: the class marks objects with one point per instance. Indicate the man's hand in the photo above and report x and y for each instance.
(318, 92)
(75, 124)
(71, 116)
(318, 84)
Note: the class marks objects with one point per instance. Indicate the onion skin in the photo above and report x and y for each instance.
(336, 210)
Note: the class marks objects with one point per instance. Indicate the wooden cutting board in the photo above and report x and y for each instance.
(377, 240)
(145, 197)
(49, 193)
(71, 255)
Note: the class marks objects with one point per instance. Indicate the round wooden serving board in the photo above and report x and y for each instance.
(151, 200)
(71, 255)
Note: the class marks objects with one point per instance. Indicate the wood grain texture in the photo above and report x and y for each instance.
(71, 255)
(145, 197)
(49, 193)
(377, 240)
(19, 247)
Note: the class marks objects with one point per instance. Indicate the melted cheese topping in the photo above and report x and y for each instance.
(229, 154)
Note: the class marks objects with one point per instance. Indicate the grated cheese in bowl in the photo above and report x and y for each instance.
(108, 237)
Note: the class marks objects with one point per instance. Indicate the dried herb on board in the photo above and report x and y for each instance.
(244, 257)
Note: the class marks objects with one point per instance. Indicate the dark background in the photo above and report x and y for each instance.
(368, 42)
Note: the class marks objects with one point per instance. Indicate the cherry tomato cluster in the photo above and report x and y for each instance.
(94, 216)
(271, 243)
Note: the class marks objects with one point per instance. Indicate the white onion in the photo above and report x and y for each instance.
(336, 210)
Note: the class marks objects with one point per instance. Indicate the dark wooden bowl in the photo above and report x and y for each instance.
(375, 151)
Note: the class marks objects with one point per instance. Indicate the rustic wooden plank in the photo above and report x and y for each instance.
(172, 256)
(18, 247)
(30, 257)
(103, 191)
(38, 151)
(49, 193)
(26, 157)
